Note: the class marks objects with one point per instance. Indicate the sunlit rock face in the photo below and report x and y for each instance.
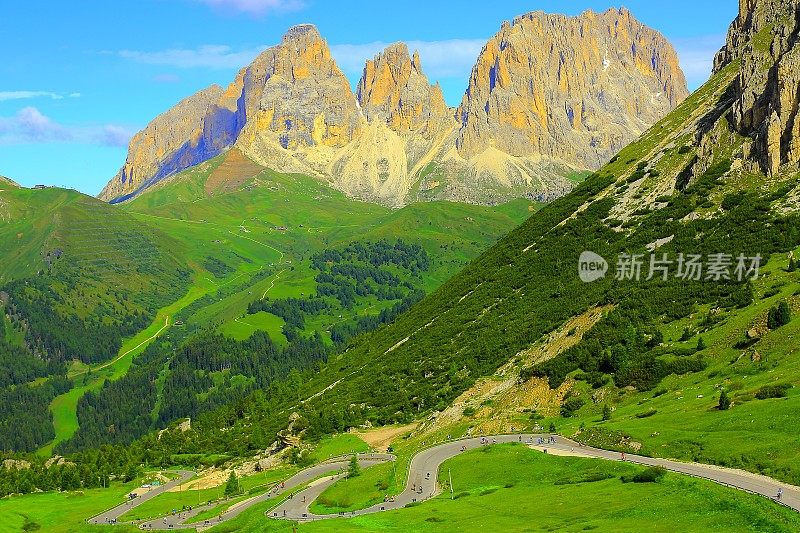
(576, 89)
(763, 42)
(549, 95)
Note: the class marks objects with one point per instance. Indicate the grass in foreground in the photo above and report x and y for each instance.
(503, 488)
(359, 492)
(66, 512)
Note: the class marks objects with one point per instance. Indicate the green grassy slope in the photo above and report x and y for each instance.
(188, 255)
(276, 221)
(527, 285)
(493, 487)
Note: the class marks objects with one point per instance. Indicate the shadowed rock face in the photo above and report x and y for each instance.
(764, 41)
(549, 94)
(191, 132)
(576, 89)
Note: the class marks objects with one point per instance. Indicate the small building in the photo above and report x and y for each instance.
(39, 187)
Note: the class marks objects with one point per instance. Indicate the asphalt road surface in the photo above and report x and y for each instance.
(422, 482)
(112, 515)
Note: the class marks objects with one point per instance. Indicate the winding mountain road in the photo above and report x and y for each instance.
(422, 482)
(111, 516)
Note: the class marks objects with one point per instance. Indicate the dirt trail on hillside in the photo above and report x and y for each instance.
(379, 439)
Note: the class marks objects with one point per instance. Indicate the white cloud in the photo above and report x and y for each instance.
(697, 56)
(206, 56)
(29, 125)
(440, 59)
(24, 95)
(254, 7)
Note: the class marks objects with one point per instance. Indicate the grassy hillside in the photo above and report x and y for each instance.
(191, 258)
(79, 277)
(295, 216)
(494, 321)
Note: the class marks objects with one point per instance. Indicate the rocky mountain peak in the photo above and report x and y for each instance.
(549, 95)
(575, 89)
(302, 98)
(302, 52)
(179, 138)
(393, 89)
(301, 33)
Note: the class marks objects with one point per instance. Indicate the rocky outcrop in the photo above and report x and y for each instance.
(571, 89)
(549, 95)
(763, 44)
(8, 182)
(306, 100)
(394, 90)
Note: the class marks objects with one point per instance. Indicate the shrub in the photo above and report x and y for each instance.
(650, 475)
(646, 414)
(773, 391)
(572, 404)
(779, 316)
(232, 486)
(354, 470)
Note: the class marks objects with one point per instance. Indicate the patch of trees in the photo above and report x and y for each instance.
(201, 373)
(118, 410)
(91, 469)
(342, 332)
(382, 269)
(364, 268)
(18, 365)
(217, 267)
(26, 422)
(291, 310)
(53, 331)
(411, 257)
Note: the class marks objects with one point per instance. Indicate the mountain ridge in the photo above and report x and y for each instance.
(394, 140)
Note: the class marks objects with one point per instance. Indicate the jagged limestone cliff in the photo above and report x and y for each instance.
(548, 96)
(574, 89)
(763, 41)
(394, 90)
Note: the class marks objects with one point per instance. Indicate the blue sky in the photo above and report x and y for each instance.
(78, 78)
